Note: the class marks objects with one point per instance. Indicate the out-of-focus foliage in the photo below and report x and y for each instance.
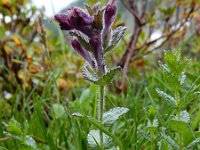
(25, 52)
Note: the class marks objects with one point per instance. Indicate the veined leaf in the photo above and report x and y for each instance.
(100, 127)
(170, 140)
(194, 142)
(103, 80)
(164, 67)
(116, 37)
(171, 100)
(30, 142)
(93, 139)
(14, 127)
(112, 115)
(182, 78)
(108, 77)
(184, 116)
(88, 73)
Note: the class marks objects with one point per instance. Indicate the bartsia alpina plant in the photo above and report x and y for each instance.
(92, 37)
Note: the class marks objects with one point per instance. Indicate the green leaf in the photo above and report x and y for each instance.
(173, 70)
(58, 110)
(184, 128)
(14, 127)
(151, 114)
(152, 125)
(182, 78)
(184, 116)
(31, 142)
(88, 73)
(170, 140)
(98, 19)
(103, 80)
(163, 145)
(112, 115)
(116, 37)
(100, 127)
(108, 77)
(171, 100)
(194, 143)
(93, 139)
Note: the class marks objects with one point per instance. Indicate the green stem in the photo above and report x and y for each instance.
(101, 106)
(177, 96)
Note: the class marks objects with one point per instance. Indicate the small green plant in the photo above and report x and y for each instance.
(92, 34)
(179, 119)
(16, 132)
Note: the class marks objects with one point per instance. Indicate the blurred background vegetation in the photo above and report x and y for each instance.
(41, 80)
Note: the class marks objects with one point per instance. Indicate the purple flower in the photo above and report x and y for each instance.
(95, 43)
(81, 51)
(64, 21)
(75, 18)
(109, 16)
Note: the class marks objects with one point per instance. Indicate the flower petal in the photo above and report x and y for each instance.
(64, 21)
(95, 43)
(81, 50)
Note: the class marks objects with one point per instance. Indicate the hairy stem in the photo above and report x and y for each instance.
(179, 118)
(101, 105)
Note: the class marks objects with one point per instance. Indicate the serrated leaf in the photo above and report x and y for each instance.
(93, 139)
(103, 80)
(88, 73)
(112, 115)
(194, 143)
(108, 77)
(182, 78)
(116, 37)
(17, 137)
(31, 142)
(171, 100)
(82, 39)
(100, 127)
(170, 140)
(14, 127)
(153, 123)
(174, 63)
(164, 67)
(184, 116)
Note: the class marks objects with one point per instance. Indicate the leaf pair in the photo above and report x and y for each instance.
(103, 80)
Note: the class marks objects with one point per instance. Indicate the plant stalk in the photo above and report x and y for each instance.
(179, 118)
(101, 106)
